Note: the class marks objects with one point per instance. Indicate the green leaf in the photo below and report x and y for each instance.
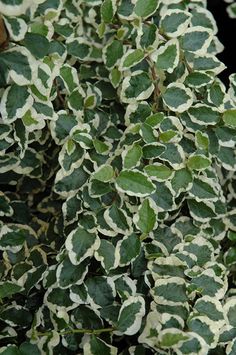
(21, 64)
(112, 53)
(37, 44)
(132, 156)
(168, 56)
(145, 219)
(137, 87)
(134, 183)
(115, 77)
(79, 48)
(198, 162)
(229, 117)
(131, 58)
(203, 114)
(98, 346)
(81, 245)
(11, 109)
(177, 97)
(104, 173)
(196, 39)
(175, 22)
(198, 79)
(101, 290)
(7, 289)
(16, 27)
(130, 315)
(118, 220)
(171, 337)
(128, 249)
(158, 171)
(108, 9)
(145, 8)
(172, 289)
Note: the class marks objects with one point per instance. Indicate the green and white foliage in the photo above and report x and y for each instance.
(117, 179)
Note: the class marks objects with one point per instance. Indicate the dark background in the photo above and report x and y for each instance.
(227, 36)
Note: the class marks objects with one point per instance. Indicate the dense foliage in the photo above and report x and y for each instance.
(117, 178)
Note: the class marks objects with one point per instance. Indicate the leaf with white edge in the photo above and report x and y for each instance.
(152, 328)
(21, 65)
(112, 53)
(80, 245)
(175, 22)
(101, 147)
(106, 255)
(146, 218)
(96, 346)
(203, 17)
(14, 8)
(205, 328)
(167, 56)
(198, 162)
(11, 109)
(196, 39)
(181, 181)
(198, 79)
(204, 115)
(210, 307)
(101, 291)
(152, 151)
(208, 62)
(174, 155)
(104, 173)
(204, 188)
(131, 58)
(115, 77)
(128, 249)
(76, 101)
(134, 183)
(12, 237)
(7, 289)
(66, 184)
(229, 118)
(61, 126)
(208, 284)
(231, 10)
(171, 338)
(130, 315)
(145, 8)
(163, 197)
(155, 119)
(69, 274)
(79, 48)
(131, 157)
(37, 44)
(201, 140)
(201, 211)
(16, 316)
(158, 171)
(118, 220)
(108, 10)
(178, 97)
(171, 290)
(5, 206)
(136, 87)
(16, 27)
(70, 78)
(229, 310)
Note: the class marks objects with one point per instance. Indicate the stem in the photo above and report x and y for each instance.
(77, 331)
(143, 236)
(155, 82)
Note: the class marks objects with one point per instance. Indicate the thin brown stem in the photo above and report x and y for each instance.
(77, 331)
